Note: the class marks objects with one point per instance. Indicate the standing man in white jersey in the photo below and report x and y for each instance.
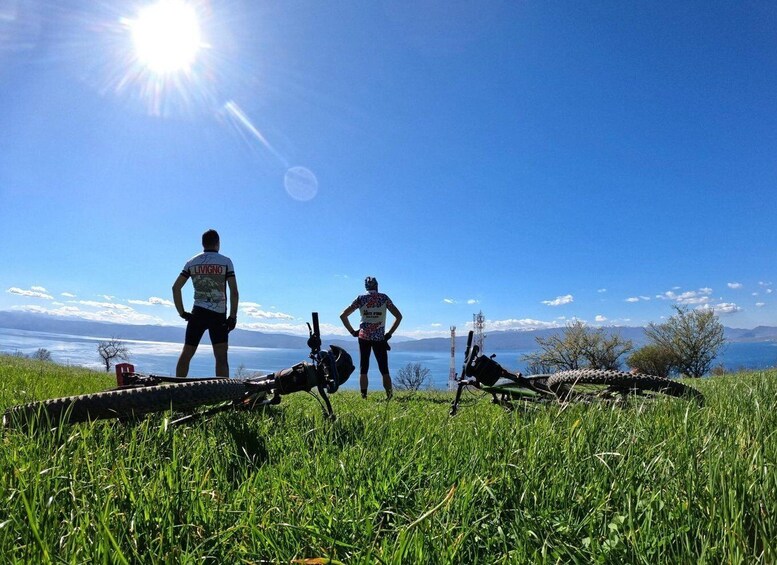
(372, 333)
(211, 274)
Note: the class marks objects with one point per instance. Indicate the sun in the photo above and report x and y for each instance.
(166, 36)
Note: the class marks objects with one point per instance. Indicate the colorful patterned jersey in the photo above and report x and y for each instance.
(209, 272)
(372, 307)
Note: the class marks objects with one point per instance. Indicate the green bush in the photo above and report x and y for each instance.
(653, 360)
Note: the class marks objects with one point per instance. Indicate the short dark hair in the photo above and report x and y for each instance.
(210, 239)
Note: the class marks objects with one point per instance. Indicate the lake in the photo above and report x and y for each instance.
(160, 357)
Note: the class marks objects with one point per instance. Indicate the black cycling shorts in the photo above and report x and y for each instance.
(204, 319)
(381, 355)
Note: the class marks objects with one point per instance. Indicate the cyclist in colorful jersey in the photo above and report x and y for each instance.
(372, 335)
(211, 274)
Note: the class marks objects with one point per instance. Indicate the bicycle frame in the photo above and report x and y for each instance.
(329, 369)
(487, 375)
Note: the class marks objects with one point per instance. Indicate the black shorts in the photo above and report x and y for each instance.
(204, 319)
(381, 355)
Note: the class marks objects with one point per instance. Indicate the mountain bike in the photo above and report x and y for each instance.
(578, 385)
(138, 394)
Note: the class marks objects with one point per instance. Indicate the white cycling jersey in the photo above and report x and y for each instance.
(209, 272)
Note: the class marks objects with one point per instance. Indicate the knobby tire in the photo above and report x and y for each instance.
(128, 402)
(572, 385)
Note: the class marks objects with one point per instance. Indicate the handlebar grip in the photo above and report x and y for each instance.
(316, 330)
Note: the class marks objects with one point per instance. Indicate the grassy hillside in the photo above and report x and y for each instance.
(396, 482)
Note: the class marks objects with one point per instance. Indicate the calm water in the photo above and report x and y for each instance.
(160, 357)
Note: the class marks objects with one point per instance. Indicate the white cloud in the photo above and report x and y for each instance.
(734, 285)
(123, 315)
(290, 328)
(68, 295)
(449, 300)
(760, 304)
(472, 301)
(32, 293)
(602, 290)
(601, 319)
(153, 301)
(39, 289)
(722, 308)
(522, 324)
(691, 297)
(632, 299)
(106, 305)
(559, 300)
(254, 312)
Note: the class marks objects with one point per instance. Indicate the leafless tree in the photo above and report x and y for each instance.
(411, 377)
(578, 346)
(110, 350)
(41, 354)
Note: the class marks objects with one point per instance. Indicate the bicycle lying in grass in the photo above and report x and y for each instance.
(138, 394)
(579, 385)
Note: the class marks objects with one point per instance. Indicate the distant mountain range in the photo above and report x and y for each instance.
(495, 341)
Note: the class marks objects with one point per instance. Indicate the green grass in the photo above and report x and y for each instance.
(396, 482)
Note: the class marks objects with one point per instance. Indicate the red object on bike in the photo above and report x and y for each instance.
(121, 369)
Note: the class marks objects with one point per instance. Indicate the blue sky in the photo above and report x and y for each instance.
(539, 161)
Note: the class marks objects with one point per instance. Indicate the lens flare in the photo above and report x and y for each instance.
(301, 183)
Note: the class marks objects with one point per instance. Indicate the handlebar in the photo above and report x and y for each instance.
(329, 369)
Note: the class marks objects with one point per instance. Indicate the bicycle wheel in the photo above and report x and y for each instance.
(588, 384)
(128, 402)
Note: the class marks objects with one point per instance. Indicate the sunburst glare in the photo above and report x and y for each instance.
(166, 36)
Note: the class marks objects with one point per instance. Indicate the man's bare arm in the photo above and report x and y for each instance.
(234, 296)
(177, 297)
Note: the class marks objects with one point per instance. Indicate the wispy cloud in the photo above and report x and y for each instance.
(34, 292)
(735, 285)
(600, 319)
(68, 294)
(519, 324)
(153, 301)
(449, 301)
(123, 315)
(300, 329)
(106, 305)
(559, 300)
(255, 312)
(601, 290)
(760, 304)
(473, 301)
